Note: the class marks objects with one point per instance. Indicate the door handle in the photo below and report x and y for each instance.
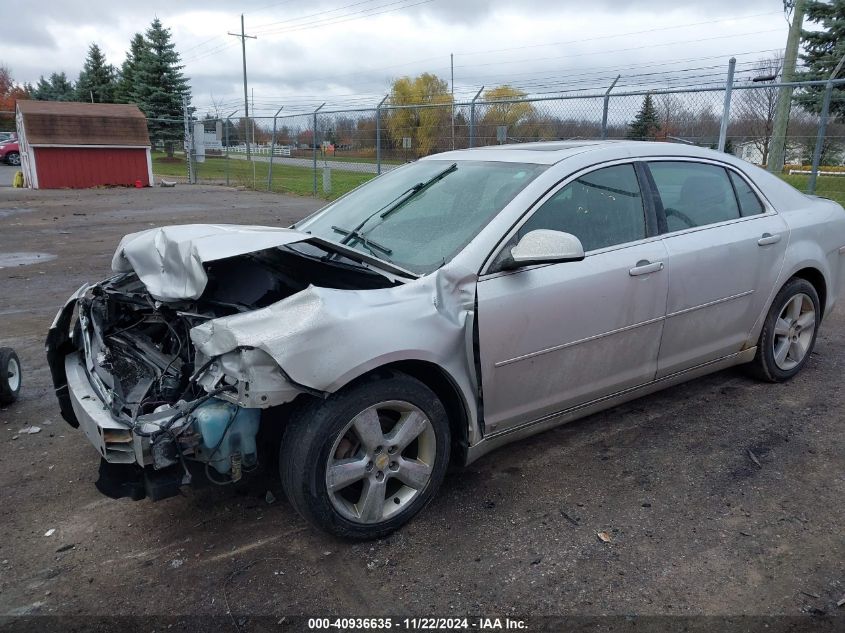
(767, 239)
(645, 267)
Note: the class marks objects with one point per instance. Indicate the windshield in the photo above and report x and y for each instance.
(421, 215)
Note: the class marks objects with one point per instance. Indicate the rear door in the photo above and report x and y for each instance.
(725, 249)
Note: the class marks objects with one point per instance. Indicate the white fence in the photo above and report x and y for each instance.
(261, 150)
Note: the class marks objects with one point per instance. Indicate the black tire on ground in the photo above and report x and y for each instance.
(313, 430)
(764, 366)
(13, 158)
(10, 375)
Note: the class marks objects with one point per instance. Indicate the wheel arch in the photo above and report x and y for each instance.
(810, 271)
(816, 278)
(449, 393)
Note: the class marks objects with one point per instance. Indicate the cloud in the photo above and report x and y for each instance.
(311, 52)
(28, 34)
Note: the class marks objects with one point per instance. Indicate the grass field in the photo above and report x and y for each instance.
(300, 180)
(286, 179)
(344, 158)
(832, 187)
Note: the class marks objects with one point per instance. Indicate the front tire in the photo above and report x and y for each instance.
(363, 462)
(10, 375)
(13, 158)
(789, 332)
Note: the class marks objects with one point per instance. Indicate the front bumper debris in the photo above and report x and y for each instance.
(114, 440)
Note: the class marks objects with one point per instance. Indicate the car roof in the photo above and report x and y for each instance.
(552, 152)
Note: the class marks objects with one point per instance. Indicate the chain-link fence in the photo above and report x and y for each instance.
(328, 152)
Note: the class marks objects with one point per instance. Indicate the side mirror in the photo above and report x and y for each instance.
(542, 247)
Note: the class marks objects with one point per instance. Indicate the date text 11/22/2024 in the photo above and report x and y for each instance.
(416, 624)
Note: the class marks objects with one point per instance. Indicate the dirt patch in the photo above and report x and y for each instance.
(695, 525)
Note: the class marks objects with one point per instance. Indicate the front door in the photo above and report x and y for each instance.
(555, 336)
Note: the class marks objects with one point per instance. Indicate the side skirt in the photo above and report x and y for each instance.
(494, 441)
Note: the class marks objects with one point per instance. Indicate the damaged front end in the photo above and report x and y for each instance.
(126, 370)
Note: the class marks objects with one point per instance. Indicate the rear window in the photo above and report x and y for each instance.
(694, 194)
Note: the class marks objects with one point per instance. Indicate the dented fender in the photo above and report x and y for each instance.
(322, 339)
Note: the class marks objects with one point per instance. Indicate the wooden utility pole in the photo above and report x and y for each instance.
(244, 37)
(452, 63)
(790, 58)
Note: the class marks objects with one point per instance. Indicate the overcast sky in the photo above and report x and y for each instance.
(346, 52)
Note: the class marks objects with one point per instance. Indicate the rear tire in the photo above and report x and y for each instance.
(363, 462)
(13, 158)
(10, 375)
(789, 332)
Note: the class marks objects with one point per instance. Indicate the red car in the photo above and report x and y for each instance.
(10, 152)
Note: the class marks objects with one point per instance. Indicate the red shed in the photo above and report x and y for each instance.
(80, 145)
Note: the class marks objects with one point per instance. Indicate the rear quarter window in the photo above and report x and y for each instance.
(749, 203)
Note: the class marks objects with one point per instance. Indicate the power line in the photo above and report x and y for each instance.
(329, 22)
(366, 13)
(203, 43)
(261, 27)
(612, 36)
(209, 53)
(269, 6)
(625, 50)
(613, 69)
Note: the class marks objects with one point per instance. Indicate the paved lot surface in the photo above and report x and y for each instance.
(697, 527)
(7, 174)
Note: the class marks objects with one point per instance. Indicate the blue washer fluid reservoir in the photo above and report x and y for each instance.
(211, 420)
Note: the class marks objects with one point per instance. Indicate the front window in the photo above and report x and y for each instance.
(602, 208)
(421, 215)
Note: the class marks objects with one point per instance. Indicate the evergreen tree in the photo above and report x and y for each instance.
(824, 49)
(97, 80)
(125, 89)
(159, 86)
(56, 88)
(646, 124)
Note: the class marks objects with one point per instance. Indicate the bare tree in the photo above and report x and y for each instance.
(757, 107)
(669, 110)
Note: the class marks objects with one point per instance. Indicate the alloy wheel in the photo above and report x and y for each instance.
(381, 462)
(794, 331)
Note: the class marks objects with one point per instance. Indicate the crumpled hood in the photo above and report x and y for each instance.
(324, 337)
(169, 260)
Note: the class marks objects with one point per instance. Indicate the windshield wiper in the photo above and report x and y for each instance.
(417, 189)
(369, 244)
(386, 210)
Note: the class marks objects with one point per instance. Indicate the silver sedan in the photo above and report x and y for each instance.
(438, 312)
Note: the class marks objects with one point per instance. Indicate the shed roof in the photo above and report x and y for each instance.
(70, 123)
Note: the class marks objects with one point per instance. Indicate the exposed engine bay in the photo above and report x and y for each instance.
(168, 404)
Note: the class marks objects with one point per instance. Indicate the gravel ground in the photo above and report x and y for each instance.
(696, 524)
(7, 174)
